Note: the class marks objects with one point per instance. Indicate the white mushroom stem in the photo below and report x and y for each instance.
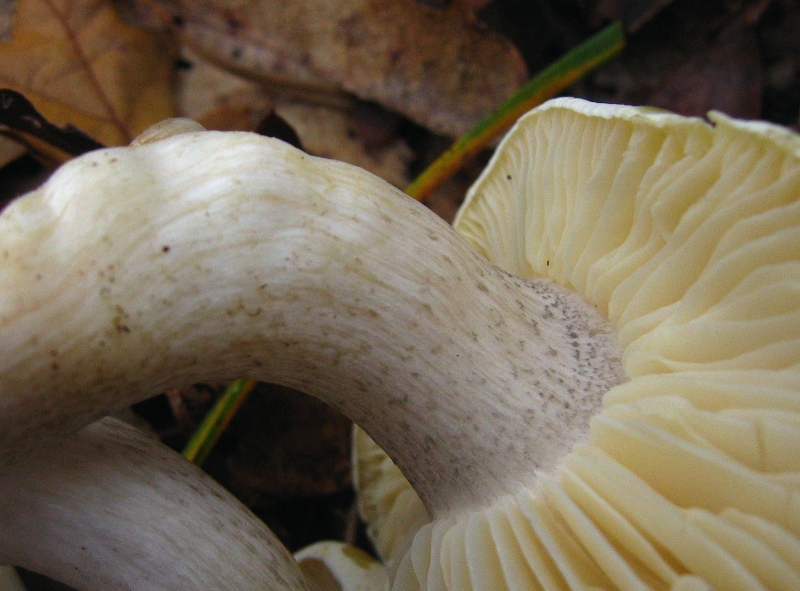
(208, 256)
(112, 509)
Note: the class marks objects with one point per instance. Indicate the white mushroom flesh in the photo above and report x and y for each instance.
(112, 509)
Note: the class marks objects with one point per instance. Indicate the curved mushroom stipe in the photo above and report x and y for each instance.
(110, 508)
(210, 256)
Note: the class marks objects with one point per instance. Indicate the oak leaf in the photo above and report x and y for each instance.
(79, 64)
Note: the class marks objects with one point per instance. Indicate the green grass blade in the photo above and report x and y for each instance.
(217, 420)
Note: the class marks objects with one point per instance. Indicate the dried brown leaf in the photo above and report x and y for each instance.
(10, 150)
(331, 133)
(430, 65)
(726, 76)
(219, 99)
(8, 10)
(81, 65)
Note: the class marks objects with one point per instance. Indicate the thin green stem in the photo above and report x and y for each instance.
(217, 420)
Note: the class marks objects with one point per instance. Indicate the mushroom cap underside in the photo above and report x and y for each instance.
(686, 236)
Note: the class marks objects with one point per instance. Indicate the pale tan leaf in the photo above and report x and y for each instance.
(78, 63)
(219, 99)
(8, 10)
(222, 100)
(430, 65)
(10, 150)
(329, 132)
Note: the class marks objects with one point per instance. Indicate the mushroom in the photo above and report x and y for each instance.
(111, 508)
(614, 406)
(336, 566)
(652, 179)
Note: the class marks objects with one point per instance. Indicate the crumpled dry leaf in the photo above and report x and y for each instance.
(221, 100)
(432, 66)
(725, 76)
(330, 133)
(79, 64)
(10, 150)
(8, 10)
